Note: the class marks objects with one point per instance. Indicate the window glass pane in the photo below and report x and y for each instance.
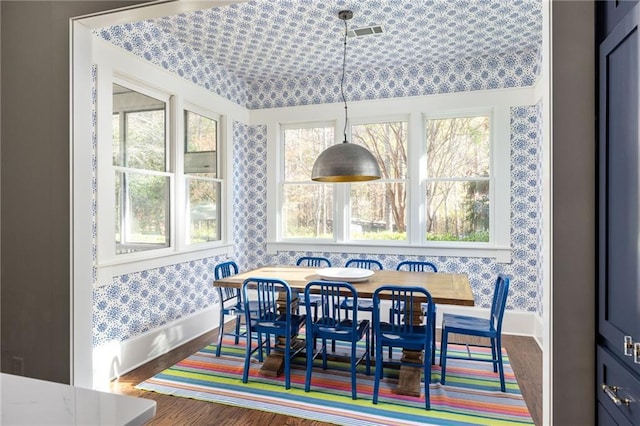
(458, 210)
(307, 211)
(145, 143)
(301, 148)
(458, 147)
(378, 211)
(142, 201)
(203, 211)
(201, 133)
(142, 144)
(388, 143)
(201, 141)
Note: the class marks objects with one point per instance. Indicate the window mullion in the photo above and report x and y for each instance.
(416, 173)
(176, 129)
(342, 212)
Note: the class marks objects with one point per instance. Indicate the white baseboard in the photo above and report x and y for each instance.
(539, 331)
(117, 358)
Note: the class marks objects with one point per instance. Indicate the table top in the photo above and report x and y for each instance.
(27, 401)
(452, 289)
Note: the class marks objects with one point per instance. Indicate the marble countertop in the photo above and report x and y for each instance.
(27, 401)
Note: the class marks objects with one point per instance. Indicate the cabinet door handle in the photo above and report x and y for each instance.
(612, 393)
(628, 346)
(636, 353)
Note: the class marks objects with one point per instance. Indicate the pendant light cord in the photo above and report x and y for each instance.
(344, 64)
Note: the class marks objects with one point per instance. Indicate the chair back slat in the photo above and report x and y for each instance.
(313, 261)
(407, 319)
(499, 302)
(333, 325)
(266, 292)
(331, 295)
(271, 317)
(363, 263)
(224, 270)
(416, 266)
(405, 330)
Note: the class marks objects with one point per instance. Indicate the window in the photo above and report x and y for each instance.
(202, 185)
(307, 207)
(458, 179)
(378, 209)
(445, 186)
(168, 188)
(142, 183)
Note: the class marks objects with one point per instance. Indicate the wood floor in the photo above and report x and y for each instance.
(524, 354)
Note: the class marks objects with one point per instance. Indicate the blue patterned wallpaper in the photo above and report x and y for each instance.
(139, 302)
(251, 232)
(514, 69)
(539, 205)
(460, 75)
(250, 195)
(176, 59)
(294, 48)
(135, 303)
(262, 40)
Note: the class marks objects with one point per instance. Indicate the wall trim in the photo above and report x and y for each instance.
(114, 359)
(538, 333)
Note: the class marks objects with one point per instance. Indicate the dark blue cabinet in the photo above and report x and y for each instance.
(619, 219)
(611, 12)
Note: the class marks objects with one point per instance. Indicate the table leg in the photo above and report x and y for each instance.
(273, 365)
(409, 378)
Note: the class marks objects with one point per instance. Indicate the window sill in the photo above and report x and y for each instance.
(501, 254)
(146, 261)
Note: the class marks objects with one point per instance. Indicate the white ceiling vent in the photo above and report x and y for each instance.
(365, 31)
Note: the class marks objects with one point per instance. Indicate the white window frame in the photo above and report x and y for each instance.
(496, 191)
(182, 177)
(496, 102)
(281, 182)
(346, 232)
(107, 197)
(121, 68)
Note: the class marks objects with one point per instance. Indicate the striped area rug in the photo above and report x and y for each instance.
(471, 396)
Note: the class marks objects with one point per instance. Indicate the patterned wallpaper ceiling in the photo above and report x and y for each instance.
(264, 40)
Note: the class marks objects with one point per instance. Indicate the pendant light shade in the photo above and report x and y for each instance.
(345, 162)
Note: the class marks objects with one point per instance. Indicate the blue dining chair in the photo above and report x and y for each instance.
(404, 330)
(333, 325)
(363, 304)
(481, 327)
(272, 317)
(318, 262)
(230, 303)
(418, 266)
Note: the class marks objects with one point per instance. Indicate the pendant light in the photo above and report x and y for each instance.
(345, 162)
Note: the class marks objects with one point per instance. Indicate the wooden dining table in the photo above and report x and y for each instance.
(445, 288)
